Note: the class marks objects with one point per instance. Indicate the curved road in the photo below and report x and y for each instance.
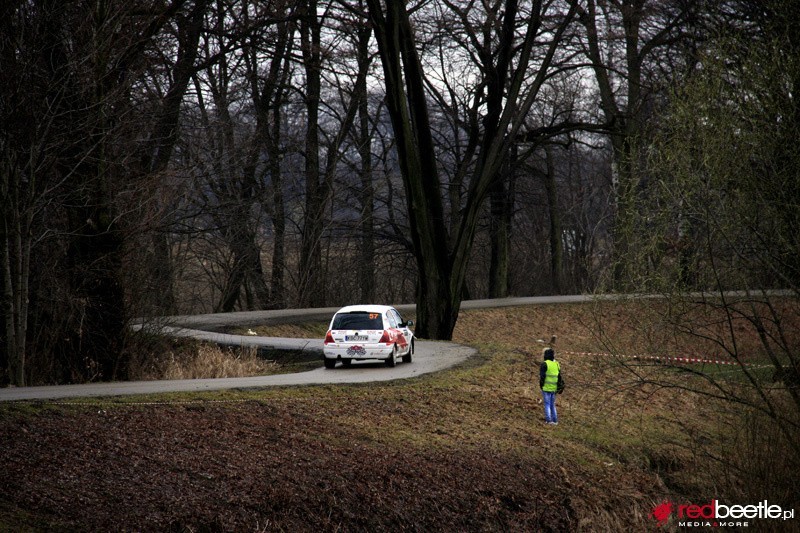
(430, 356)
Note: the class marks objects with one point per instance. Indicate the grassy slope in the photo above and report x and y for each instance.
(464, 449)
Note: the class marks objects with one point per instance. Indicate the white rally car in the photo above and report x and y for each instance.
(361, 332)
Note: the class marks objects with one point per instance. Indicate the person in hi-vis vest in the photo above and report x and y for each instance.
(548, 381)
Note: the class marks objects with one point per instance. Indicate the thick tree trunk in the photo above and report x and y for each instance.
(624, 124)
(267, 94)
(94, 259)
(437, 301)
(246, 273)
(442, 259)
(499, 237)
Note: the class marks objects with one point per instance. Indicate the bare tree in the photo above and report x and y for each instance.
(725, 160)
(82, 62)
(507, 94)
(156, 152)
(337, 126)
(625, 43)
(268, 97)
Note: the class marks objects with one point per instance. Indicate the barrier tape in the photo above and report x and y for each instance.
(684, 360)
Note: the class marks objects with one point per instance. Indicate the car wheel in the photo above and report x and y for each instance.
(410, 354)
(330, 363)
(392, 360)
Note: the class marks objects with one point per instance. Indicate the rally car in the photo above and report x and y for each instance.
(363, 332)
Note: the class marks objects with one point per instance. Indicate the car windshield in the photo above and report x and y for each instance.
(358, 320)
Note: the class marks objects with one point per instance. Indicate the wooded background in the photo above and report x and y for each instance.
(191, 156)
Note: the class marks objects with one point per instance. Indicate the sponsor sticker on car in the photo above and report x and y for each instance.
(356, 350)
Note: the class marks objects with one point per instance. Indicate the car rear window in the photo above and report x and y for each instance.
(358, 320)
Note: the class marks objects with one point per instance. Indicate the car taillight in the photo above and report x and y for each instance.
(328, 338)
(387, 337)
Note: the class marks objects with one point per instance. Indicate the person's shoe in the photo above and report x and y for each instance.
(554, 423)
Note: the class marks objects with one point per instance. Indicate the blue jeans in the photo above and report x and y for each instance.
(550, 414)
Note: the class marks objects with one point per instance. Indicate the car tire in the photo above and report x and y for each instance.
(330, 363)
(410, 354)
(392, 360)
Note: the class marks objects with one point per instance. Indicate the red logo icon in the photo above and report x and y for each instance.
(662, 512)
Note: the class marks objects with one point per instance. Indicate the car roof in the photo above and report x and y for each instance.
(365, 309)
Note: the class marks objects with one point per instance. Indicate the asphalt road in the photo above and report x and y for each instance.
(221, 321)
(429, 357)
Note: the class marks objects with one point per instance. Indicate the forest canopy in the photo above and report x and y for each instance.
(163, 157)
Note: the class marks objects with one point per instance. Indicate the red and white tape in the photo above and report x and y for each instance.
(694, 360)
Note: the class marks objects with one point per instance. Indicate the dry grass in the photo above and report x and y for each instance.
(462, 450)
(650, 415)
(198, 361)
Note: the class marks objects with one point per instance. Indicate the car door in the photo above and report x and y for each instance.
(402, 326)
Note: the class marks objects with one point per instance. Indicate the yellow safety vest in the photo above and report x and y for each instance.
(551, 377)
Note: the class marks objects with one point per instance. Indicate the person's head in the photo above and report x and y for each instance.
(549, 354)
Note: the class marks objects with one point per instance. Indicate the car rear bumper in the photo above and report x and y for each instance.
(356, 352)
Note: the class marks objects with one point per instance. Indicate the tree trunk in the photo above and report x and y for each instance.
(15, 254)
(246, 273)
(311, 290)
(501, 214)
(437, 301)
(93, 262)
(268, 97)
(366, 263)
(161, 143)
(622, 107)
(556, 244)
(442, 262)
(278, 217)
